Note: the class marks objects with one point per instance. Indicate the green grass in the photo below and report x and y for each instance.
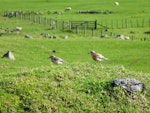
(35, 52)
(77, 87)
(32, 84)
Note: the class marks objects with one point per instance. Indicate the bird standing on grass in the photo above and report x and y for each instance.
(97, 56)
(56, 60)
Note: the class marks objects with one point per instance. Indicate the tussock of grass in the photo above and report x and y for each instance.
(77, 87)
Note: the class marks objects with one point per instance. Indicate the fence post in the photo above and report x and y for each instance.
(34, 19)
(122, 23)
(95, 24)
(112, 24)
(77, 29)
(39, 20)
(44, 21)
(137, 23)
(63, 25)
(92, 32)
(143, 22)
(106, 23)
(84, 30)
(131, 23)
(117, 24)
(126, 23)
(56, 25)
(70, 25)
(21, 16)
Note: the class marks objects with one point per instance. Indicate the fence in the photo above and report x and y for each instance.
(68, 25)
(125, 23)
(86, 28)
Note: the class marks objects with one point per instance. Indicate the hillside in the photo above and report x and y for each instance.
(33, 84)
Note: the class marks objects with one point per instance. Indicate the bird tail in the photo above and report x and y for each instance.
(106, 58)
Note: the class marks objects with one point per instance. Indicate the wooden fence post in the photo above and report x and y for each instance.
(40, 20)
(117, 24)
(122, 23)
(112, 24)
(29, 17)
(95, 23)
(21, 16)
(77, 29)
(63, 25)
(126, 23)
(137, 23)
(70, 25)
(44, 21)
(34, 19)
(143, 22)
(92, 32)
(131, 23)
(56, 25)
(84, 30)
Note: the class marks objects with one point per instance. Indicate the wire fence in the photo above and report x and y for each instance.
(82, 29)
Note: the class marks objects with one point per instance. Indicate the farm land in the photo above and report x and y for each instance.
(31, 83)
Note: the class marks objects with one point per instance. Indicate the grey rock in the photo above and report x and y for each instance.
(28, 36)
(9, 55)
(129, 84)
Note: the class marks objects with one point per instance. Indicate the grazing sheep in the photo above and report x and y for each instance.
(116, 3)
(18, 28)
(68, 9)
(65, 37)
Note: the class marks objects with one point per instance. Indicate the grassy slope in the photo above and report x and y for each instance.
(132, 54)
(77, 87)
(30, 84)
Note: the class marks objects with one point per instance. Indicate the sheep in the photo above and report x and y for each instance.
(116, 3)
(68, 9)
(18, 28)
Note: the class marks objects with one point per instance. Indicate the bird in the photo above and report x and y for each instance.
(56, 60)
(97, 56)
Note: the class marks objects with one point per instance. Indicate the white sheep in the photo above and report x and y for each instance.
(68, 9)
(18, 28)
(116, 3)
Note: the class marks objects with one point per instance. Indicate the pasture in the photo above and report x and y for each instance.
(31, 83)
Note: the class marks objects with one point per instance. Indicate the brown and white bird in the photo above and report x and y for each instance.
(56, 60)
(97, 56)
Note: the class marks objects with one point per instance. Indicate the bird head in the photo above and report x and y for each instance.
(91, 52)
(52, 56)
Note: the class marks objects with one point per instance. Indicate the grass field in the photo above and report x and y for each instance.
(31, 83)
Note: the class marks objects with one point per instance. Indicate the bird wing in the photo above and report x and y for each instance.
(100, 57)
(58, 59)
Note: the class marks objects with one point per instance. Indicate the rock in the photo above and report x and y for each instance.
(28, 36)
(46, 35)
(120, 36)
(9, 55)
(129, 84)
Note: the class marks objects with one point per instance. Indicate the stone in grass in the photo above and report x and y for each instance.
(28, 36)
(129, 84)
(9, 55)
